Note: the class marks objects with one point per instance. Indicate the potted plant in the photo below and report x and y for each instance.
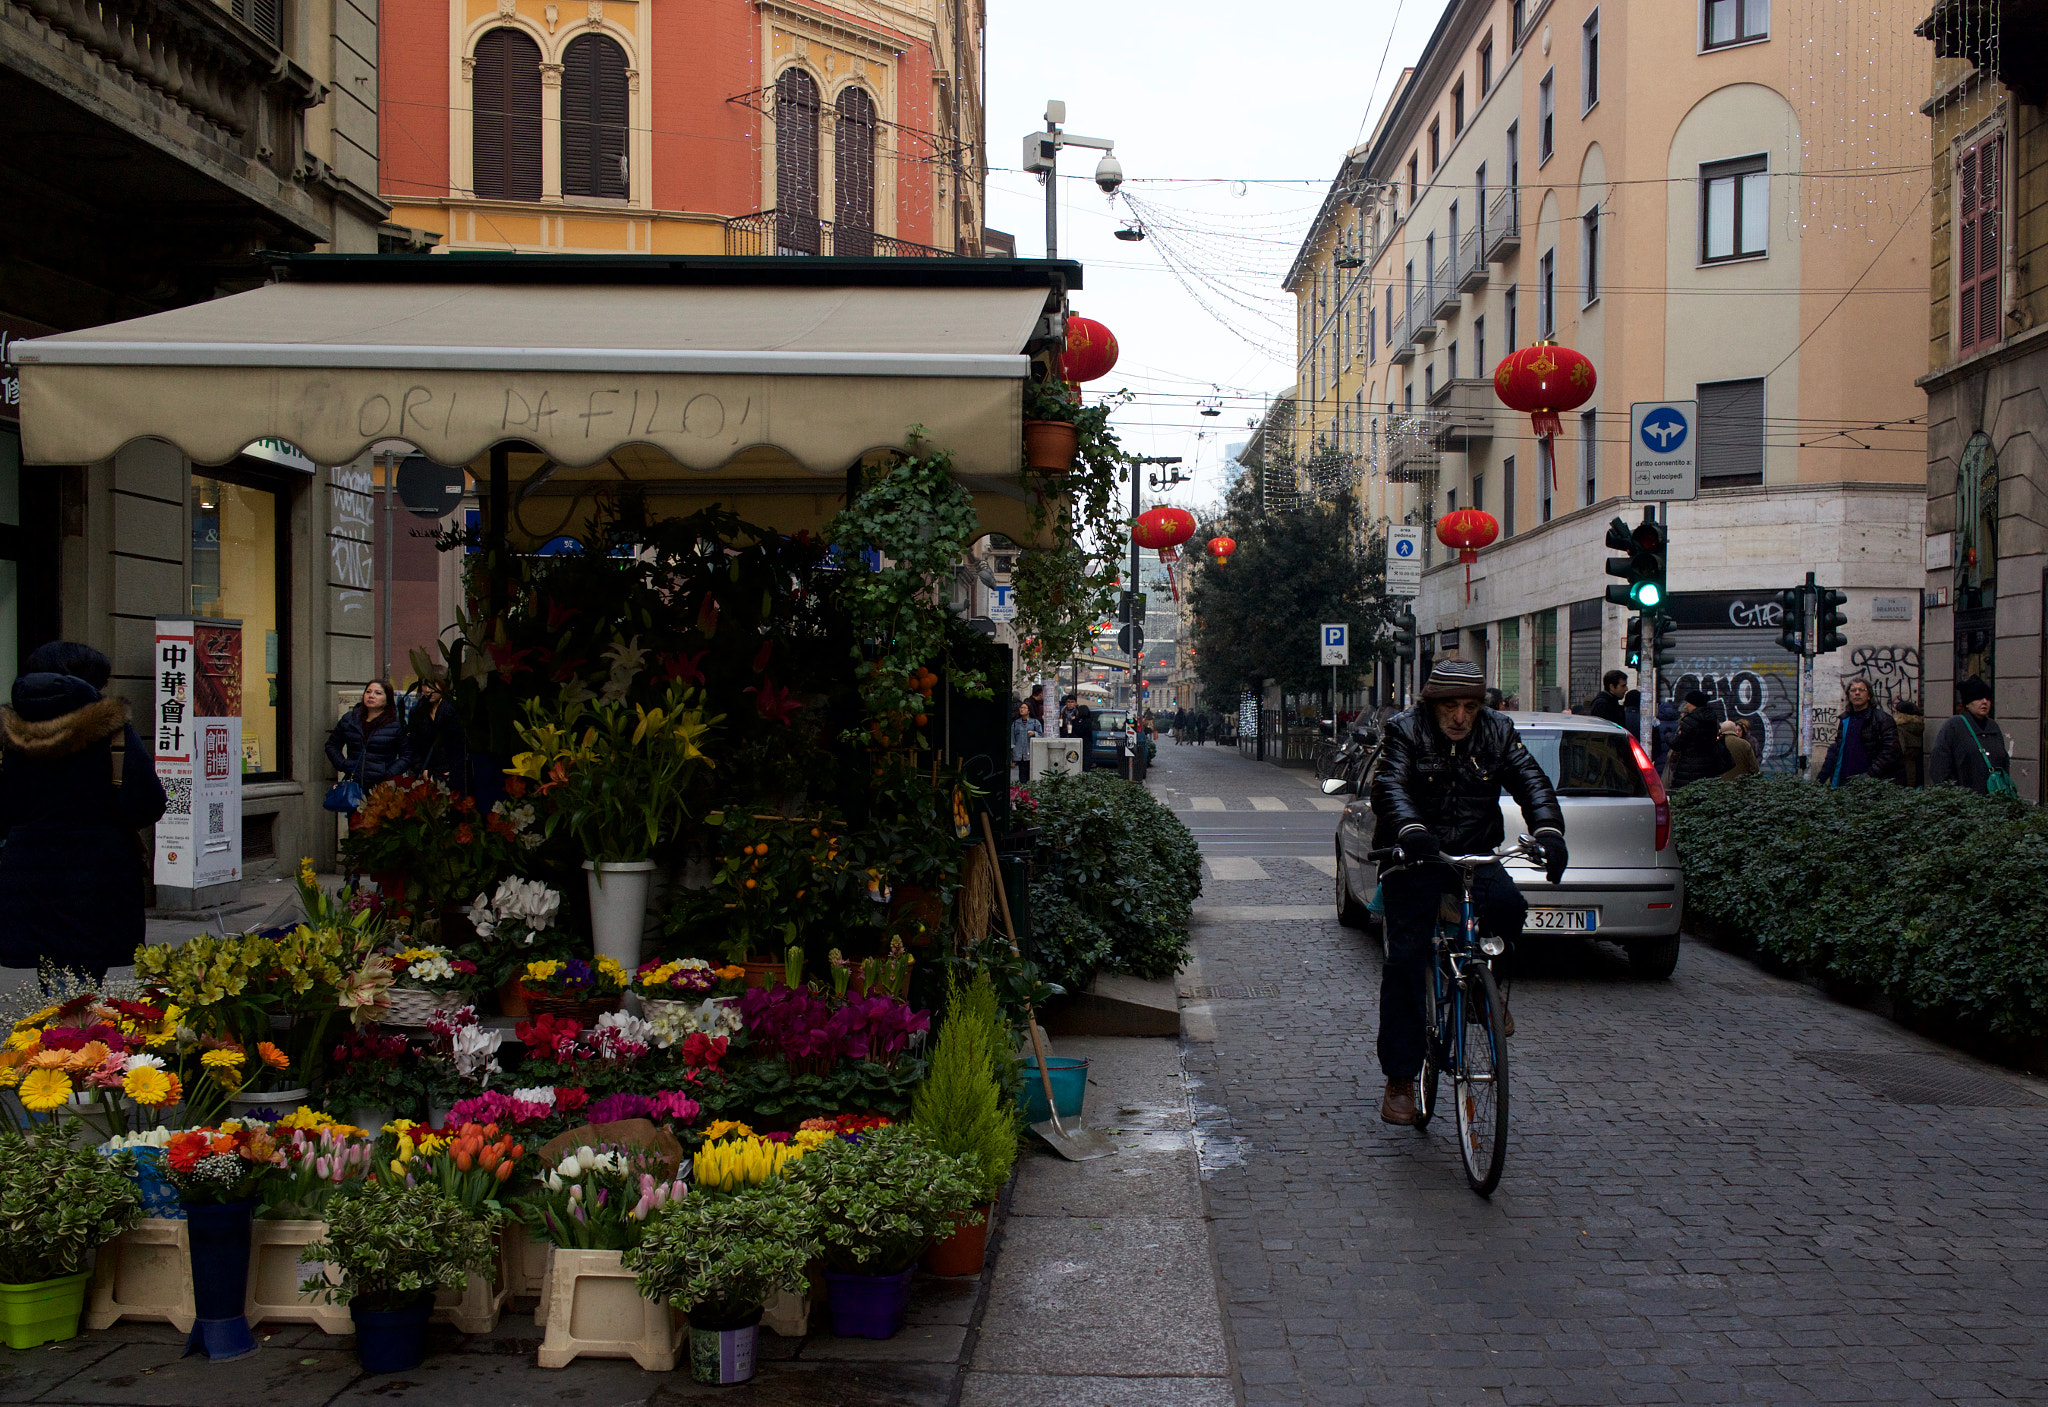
(1050, 438)
(373, 1077)
(688, 995)
(427, 978)
(473, 1163)
(515, 925)
(218, 1173)
(619, 778)
(718, 1257)
(434, 847)
(581, 989)
(960, 1106)
(879, 1200)
(58, 1204)
(388, 1248)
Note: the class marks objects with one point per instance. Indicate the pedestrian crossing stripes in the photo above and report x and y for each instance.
(1267, 803)
(1225, 868)
(1209, 803)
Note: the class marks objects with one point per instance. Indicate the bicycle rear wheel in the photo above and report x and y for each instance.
(1479, 1086)
(1436, 1002)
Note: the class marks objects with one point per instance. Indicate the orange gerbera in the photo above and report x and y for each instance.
(50, 1060)
(272, 1056)
(89, 1056)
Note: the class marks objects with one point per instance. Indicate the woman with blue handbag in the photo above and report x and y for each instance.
(367, 746)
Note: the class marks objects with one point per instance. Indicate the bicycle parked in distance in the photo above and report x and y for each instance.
(1465, 1024)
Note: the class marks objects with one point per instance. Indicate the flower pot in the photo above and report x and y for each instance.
(596, 1311)
(765, 972)
(1069, 1089)
(868, 1306)
(437, 1114)
(277, 1101)
(275, 1276)
(48, 1311)
(144, 1273)
(618, 908)
(578, 1009)
(722, 1351)
(370, 1118)
(390, 884)
(392, 1340)
(962, 1253)
(220, 1280)
(512, 999)
(1049, 445)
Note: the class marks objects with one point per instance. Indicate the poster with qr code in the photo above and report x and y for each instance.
(196, 730)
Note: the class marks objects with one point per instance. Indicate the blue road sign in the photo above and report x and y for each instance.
(1664, 429)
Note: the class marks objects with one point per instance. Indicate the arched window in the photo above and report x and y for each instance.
(505, 146)
(594, 118)
(853, 169)
(796, 163)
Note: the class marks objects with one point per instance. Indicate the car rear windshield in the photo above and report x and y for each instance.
(1586, 763)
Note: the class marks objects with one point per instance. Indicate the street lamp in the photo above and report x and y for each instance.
(1042, 155)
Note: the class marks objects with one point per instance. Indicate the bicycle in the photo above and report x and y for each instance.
(1463, 998)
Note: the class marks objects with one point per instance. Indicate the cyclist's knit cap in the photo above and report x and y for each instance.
(1455, 679)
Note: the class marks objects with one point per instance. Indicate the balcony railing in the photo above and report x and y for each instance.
(1443, 287)
(1503, 228)
(1472, 261)
(1403, 343)
(1462, 412)
(1410, 452)
(1421, 321)
(775, 232)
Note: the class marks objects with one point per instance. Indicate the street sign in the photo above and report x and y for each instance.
(1404, 560)
(1336, 644)
(1662, 451)
(1002, 602)
(1131, 639)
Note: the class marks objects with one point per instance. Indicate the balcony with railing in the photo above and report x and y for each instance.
(1409, 453)
(1402, 343)
(776, 232)
(1421, 320)
(1503, 227)
(1462, 412)
(1443, 287)
(1472, 261)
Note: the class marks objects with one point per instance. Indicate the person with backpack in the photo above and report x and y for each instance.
(1698, 752)
(1970, 749)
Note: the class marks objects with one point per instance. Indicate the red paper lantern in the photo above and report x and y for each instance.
(1544, 380)
(1163, 528)
(1220, 549)
(1091, 350)
(1467, 530)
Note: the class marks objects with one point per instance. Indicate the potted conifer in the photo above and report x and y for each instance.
(961, 1107)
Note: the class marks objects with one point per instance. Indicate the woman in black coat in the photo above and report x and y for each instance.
(369, 737)
(73, 872)
(435, 742)
(1697, 751)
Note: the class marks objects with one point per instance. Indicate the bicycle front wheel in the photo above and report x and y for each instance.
(1436, 1003)
(1479, 1085)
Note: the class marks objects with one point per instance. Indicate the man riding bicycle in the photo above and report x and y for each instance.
(1438, 789)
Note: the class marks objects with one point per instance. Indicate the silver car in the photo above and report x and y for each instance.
(1624, 884)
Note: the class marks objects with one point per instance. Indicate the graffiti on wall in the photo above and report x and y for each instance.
(1752, 689)
(1892, 671)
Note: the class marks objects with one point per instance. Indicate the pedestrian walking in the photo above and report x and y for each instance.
(1735, 737)
(1201, 726)
(1494, 699)
(76, 788)
(1662, 732)
(1697, 752)
(1970, 749)
(1607, 703)
(1912, 726)
(1180, 726)
(435, 743)
(1632, 712)
(1867, 743)
(1023, 728)
(368, 743)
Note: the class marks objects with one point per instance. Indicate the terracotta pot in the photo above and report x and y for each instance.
(1049, 445)
(962, 1253)
(764, 972)
(512, 999)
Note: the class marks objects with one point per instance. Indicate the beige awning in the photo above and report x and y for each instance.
(800, 380)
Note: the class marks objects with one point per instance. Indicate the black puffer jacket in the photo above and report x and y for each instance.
(384, 753)
(1454, 788)
(1698, 752)
(1882, 756)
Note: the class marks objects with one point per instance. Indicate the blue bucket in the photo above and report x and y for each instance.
(1069, 1089)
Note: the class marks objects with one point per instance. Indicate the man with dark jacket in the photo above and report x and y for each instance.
(1442, 767)
(1698, 752)
(1969, 746)
(1662, 732)
(1607, 703)
(1867, 745)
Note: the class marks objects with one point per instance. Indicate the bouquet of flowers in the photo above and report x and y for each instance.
(90, 1051)
(515, 925)
(468, 1162)
(574, 979)
(316, 1157)
(599, 1198)
(429, 968)
(734, 1156)
(439, 841)
(216, 1166)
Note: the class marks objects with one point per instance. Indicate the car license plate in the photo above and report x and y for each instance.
(1562, 921)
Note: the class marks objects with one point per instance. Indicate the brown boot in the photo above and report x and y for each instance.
(1397, 1105)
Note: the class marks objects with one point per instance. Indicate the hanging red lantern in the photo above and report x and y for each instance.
(1545, 379)
(1091, 350)
(1220, 549)
(1164, 529)
(1467, 530)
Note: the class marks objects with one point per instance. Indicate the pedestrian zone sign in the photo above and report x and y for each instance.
(1336, 644)
(1404, 560)
(1663, 447)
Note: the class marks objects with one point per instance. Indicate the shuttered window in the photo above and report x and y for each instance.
(796, 163)
(853, 175)
(594, 118)
(505, 147)
(1731, 431)
(1980, 220)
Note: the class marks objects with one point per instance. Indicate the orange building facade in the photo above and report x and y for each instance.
(685, 127)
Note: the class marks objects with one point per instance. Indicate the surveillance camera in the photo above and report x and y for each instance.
(1109, 173)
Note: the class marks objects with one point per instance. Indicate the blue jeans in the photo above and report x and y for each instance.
(1411, 900)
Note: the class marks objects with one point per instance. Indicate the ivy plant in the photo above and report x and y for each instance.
(59, 1203)
(719, 1256)
(392, 1245)
(1062, 590)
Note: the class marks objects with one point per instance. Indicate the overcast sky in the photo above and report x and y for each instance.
(1197, 96)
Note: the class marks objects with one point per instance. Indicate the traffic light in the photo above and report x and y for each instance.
(1791, 620)
(1665, 653)
(1620, 539)
(1635, 642)
(1404, 637)
(1832, 619)
(1643, 569)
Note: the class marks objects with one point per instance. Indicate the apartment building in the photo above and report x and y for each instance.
(1628, 178)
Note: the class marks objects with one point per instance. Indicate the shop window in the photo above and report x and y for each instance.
(505, 117)
(594, 118)
(239, 532)
(796, 164)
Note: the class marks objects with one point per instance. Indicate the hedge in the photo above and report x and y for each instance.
(1936, 898)
(1114, 878)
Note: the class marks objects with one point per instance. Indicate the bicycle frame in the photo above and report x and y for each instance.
(1457, 948)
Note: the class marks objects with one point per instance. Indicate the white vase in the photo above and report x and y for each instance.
(618, 908)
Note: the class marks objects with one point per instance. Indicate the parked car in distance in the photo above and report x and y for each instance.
(1624, 884)
(1108, 750)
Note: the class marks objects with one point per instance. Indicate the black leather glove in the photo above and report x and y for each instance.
(1555, 856)
(1419, 845)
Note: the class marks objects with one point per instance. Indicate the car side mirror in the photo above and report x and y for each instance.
(1336, 786)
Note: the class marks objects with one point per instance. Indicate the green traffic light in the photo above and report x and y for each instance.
(1649, 595)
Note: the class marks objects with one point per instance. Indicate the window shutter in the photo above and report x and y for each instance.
(1731, 433)
(796, 163)
(594, 118)
(505, 116)
(1966, 253)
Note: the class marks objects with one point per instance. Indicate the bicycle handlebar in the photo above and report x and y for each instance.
(1524, 848)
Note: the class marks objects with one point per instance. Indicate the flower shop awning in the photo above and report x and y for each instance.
(699, 378)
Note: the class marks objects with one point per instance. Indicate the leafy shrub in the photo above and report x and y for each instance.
(1113, 880)
(58, 1203)
(880, 1200)
(960, 1104)
(1934, 897)
(718, 1257)
(393, 1244)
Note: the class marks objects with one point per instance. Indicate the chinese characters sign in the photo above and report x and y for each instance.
(197, 727)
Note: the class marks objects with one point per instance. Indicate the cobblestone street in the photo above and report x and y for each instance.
(1722, 1188)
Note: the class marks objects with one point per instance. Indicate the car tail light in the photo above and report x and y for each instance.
(1657, 794)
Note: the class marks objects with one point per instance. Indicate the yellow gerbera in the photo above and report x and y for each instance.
(223, 1059)
(45, 1090)
(29, 1023)
(725, 1126)
(24, 1040)
(146, 1086)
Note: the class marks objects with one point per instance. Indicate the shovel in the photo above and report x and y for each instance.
(1076, 1145)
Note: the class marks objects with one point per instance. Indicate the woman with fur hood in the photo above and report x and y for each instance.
(76, 784)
